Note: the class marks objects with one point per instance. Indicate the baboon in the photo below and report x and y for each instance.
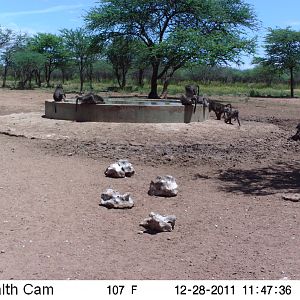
(230, 113)
(296, 137)
(191, 96)
(59, 94)
(191, 91)
(202, 100)
(218, 108)
(89, 98)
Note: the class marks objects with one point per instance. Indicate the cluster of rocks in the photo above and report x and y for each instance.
(163, 186)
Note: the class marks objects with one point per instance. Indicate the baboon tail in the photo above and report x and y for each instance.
(76, 106)
(195, 106)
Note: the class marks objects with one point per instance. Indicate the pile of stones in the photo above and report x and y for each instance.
(163, 186)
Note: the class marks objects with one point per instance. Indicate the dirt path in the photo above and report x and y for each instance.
(231, 220)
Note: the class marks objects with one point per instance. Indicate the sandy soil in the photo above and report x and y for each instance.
(232, 222)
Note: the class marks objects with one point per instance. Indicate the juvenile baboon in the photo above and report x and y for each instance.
(89, 98)
(59, 94)
(296, 137)
(230, 114)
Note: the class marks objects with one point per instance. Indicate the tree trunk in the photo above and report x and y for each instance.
(141, 78)
(4, 76)
(90, 74)
(81, 70)
(47, 75)
(118, 76)
(63, 76)
(164, 93)
(81, 82)
(292, 82)
(123, 79)
(153, 93)
(38, 79)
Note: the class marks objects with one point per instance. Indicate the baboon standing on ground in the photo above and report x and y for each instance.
(230, 113)
(89, 98)
(218, 108)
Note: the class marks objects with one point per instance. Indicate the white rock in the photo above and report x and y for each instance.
(127, 167)
(291, 197)
(120, 169)
(159, 223)
(164, 186)
(113, 199)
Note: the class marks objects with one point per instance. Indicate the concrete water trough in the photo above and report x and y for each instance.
(126, 110)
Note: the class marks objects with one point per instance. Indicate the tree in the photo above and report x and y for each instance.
(177, 31)
(120, 53)
(5, 36)
(26, 63)
(282, 47)
(16, 42)
(51, 46)
(83, 50)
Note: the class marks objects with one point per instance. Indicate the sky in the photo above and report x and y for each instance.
(49, 16)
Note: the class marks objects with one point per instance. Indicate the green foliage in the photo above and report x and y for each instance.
(51, 46)
(5, 36)
(282, 47)
(121, 53)
(178, 32)
(83, 50)
(25, 64)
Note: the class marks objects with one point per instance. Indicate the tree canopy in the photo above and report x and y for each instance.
(282, 47)
(177, 31)
(82, 49)
(50, 45)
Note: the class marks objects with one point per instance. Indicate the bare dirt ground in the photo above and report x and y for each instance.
(232, 222)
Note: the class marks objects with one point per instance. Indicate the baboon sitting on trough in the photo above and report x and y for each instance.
(230, 114)
(296, 137)
(59, 94)
(191, 96)
(89, 98)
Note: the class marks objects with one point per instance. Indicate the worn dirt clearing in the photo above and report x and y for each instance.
(231, 220)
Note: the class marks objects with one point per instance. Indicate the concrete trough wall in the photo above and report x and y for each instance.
(122, 113)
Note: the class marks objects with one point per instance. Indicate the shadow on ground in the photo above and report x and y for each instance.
(282, 177)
